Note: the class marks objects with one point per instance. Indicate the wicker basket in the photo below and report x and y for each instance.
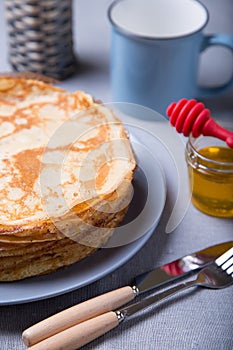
(40, 36)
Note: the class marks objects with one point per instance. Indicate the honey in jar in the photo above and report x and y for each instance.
(210, 167)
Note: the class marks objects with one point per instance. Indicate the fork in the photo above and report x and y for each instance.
(217, 275)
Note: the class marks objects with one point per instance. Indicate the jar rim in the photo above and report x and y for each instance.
(196, 152)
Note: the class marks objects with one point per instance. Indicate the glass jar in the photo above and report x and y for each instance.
(210, 168)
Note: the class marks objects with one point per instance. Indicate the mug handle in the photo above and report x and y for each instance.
(219, 40)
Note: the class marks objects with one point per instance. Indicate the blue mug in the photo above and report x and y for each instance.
(155, 51)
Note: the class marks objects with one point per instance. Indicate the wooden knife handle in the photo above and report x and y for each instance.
(77, 314)
(75, 337)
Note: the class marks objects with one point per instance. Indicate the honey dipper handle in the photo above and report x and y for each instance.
(75, 337)
(211, 128)
(77, 314)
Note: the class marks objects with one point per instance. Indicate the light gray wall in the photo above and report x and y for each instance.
(92, 39)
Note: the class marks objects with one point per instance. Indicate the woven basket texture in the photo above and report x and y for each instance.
(40, 36)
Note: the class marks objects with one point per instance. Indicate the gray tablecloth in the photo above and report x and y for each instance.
(196, 319)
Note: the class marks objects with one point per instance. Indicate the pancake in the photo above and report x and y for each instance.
(66, 167)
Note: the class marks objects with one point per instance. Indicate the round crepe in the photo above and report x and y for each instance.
(66, 167)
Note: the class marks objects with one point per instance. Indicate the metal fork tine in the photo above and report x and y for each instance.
(227, 264)
(223, 258)
(230, 270)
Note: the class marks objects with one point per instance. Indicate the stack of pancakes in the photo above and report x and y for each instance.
(66, 167)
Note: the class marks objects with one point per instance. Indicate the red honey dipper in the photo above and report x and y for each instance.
(191, 116)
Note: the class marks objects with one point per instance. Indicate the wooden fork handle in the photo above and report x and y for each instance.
(77, 314)
(75, 337)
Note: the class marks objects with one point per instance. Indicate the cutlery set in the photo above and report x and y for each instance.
(82, 323)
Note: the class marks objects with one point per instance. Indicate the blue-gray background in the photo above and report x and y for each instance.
(196, 320)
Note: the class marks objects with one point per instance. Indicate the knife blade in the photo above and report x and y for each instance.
(179, 268)
(112, 300)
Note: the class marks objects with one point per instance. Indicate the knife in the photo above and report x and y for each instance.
(112, 300)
